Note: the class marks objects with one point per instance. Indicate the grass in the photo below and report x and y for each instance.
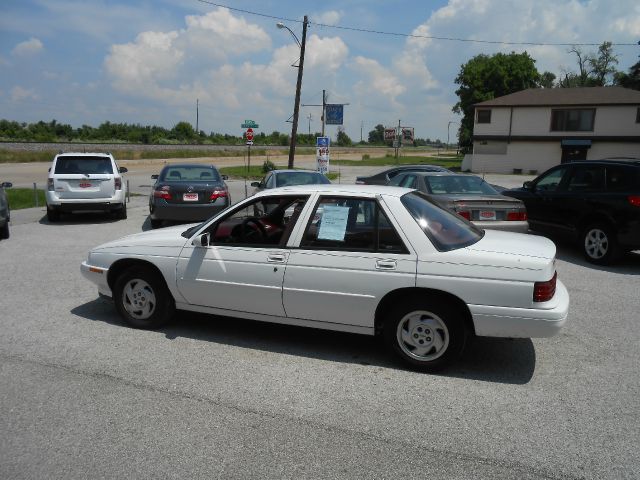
(256, 173)
(20, 198)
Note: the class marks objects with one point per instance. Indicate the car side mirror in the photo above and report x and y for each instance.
(123, 169)
(256, 184)
(225, 177)
(201, 240)
(155, 177)
(7, 184)
(528, 185)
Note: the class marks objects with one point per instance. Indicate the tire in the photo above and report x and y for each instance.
(4, 231)
(427, 336)
(155, 223)
(599, 244)
(142, 298)
(53, 215)
(122, 213)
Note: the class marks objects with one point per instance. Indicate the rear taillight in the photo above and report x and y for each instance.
(118, 183)
(464, 213)
(516, 216)
(217, 194)
(162, 192)
(634, 200)
(50, 185)
(544, 291)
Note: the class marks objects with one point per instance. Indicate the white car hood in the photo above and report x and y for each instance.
(163, 237)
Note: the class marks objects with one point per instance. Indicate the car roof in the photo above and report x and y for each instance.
(83, 154)
(436, 174)
(189, 165)
(609, 161)
(289, 170)
(340, 189)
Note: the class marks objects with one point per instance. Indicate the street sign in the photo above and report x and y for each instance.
(249, 134)
(249, 142)
(389, 134)
(407, 135)
(249, 124)
(334, 114)
(322, 154)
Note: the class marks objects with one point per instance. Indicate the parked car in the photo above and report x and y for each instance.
(187, 193)
(363, 259)
(383, 178)
(470, 197)
(285, 178)
(5, 211)
(596, 202)
(83, 182)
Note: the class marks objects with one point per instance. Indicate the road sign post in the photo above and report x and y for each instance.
(322, 154)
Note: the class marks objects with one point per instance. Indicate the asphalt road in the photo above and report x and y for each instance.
(83, 396)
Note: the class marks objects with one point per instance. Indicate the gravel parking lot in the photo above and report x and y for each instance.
(81, 395)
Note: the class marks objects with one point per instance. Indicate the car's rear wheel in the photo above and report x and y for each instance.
(599, 244)
(426, 336)
(122, 213)
(4, 231)
(53, 215)
(143, 299)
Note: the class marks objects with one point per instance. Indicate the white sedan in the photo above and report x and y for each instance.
(363, 259)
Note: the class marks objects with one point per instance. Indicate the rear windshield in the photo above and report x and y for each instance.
(300, 178)
(190, 174)
(459, 184)
(446, 230)
(83, 165)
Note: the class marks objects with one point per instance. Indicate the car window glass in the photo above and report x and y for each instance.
(586, 178)
(351, 224)
(459, 184)
(621, 178)
(83, 165)
(409, 181)
(182, 173)
(270, 180)
(300, 178)
(263, 222)
(551, 181)
(446, 230)
(397, 180)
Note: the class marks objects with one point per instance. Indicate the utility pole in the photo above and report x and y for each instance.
(309, 117)
(197, 117)
(324, 104)
(296, 108)
(398, 140)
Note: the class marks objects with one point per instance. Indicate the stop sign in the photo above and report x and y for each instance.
(249, 134)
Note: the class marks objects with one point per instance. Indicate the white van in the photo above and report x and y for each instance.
(83, 182)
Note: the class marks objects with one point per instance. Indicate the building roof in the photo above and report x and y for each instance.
(583, 96)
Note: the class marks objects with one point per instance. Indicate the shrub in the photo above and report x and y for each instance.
(267, 166)
(366, 156)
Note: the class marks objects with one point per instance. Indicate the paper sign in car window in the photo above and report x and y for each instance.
(334, 223)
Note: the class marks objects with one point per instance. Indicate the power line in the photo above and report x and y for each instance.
(413, 35)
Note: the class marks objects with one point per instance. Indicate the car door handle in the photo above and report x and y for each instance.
(386, 264)
(275, 258)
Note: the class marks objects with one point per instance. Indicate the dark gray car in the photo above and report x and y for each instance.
(283, 178)
(383, 178)
(470, 197)
(187, 193)
(5, 212)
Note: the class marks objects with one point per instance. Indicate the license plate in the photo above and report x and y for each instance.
(190, 197)
(85, 185)
(487, 214)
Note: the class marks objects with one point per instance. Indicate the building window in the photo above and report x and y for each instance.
(484, 116)
(573, 120)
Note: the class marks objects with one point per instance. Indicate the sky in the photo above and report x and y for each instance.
(150, 61)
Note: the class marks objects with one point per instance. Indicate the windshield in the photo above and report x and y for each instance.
(446, 230)
(83, 165)
(300, 178)
(189, 173)
(459, 184)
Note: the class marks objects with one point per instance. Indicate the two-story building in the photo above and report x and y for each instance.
(533, 130)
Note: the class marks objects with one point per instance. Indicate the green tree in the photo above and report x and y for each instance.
(183, 131)
(342, 139)
(377, 134)
(547, 80)
(594, 69)
(629, 80)
(486, 77)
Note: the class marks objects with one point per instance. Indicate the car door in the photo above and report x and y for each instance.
(241, 270)
(349, 255)
(544, 200)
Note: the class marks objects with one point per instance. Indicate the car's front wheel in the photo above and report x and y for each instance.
(53, 215)
(4, 231)
(599, 244)
(427, 337)
(143, 299)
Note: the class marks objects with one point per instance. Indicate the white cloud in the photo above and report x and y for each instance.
(331, 17)
(19, 93)
(380, 81)
(28, 47)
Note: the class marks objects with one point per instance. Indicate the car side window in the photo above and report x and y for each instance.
(264, 222)
(586, 178)
(551, 181)
(269, 180)
(396, 180)
(409, 181)
(351, 224)
(621, 178)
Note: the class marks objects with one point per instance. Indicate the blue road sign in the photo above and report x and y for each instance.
(334, 114)
(322, 141)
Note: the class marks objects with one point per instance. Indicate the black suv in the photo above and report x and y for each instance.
(596, 202)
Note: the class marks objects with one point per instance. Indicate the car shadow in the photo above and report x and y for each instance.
(496, 360)
(80, 218)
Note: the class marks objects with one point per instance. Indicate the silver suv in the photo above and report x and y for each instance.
(83, 182)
